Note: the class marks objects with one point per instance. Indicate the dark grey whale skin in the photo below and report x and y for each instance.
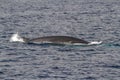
(56, 39)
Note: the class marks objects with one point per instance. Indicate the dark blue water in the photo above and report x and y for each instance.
(92, 20)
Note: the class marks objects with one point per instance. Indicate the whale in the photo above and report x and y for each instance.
(52, 39)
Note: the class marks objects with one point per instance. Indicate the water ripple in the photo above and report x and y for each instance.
(92, 20)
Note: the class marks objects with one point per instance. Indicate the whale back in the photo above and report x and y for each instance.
(53, 39)
(59, 39)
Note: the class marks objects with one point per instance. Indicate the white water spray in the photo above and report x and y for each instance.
(16, 38)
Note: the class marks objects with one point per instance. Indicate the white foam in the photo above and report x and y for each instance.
(95, 42)
(16, 38)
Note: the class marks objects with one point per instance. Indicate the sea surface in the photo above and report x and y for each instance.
(91, 20)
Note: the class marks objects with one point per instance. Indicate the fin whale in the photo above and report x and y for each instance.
(59, 39)
(51, 39)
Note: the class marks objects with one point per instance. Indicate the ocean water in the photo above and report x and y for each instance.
(92, 20)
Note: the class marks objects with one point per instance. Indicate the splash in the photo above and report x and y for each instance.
(95, 43)
(16, 38)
